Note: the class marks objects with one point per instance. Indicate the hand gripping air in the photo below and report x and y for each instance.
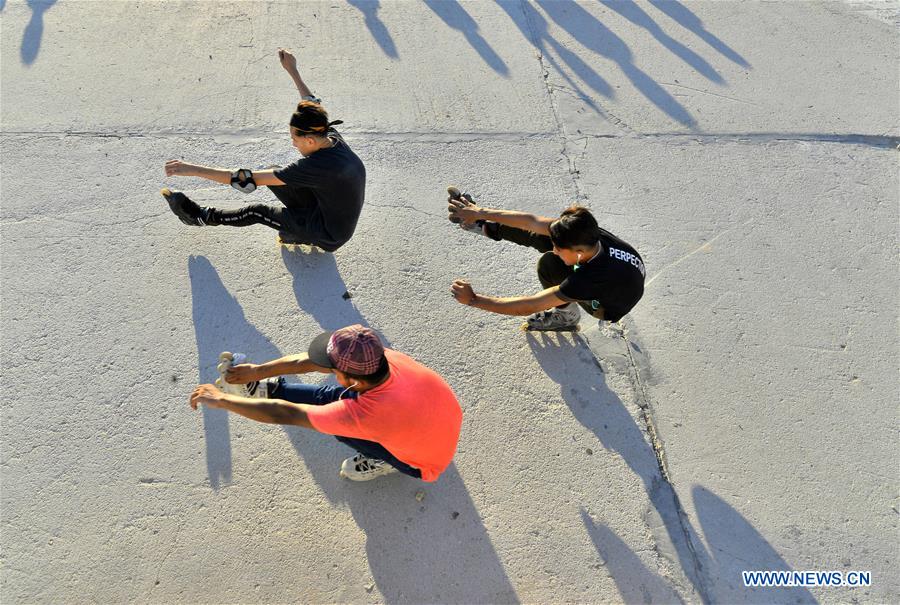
(242, 180)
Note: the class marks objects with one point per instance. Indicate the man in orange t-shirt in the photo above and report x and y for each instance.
(397, 414)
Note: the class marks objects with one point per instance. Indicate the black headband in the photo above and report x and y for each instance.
(297, 119)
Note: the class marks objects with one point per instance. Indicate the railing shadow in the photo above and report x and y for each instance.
(376, 26)
(535, 29)
(454, 15)
(684, 17)
(595, 36)
(636, 15)
(34, 31)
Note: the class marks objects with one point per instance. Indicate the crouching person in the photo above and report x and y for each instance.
(396, 413)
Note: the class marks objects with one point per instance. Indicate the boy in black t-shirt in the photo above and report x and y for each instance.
(582, 263)
(322, 192)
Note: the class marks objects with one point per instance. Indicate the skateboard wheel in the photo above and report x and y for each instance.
(453, 192)
(219, 383)
(222, 368)
(166, 191)
(226, 356)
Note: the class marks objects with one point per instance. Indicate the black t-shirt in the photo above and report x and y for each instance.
(613, 280)
(329, 188)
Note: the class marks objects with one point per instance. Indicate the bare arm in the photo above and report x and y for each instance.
(289, 63)
(519, 305)
(272, 411)
(219, 175)
(290, 364)
(469, 212)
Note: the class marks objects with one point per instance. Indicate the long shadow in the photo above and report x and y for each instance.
(219, 325)
(434, 551)
(684, 17)
(595, 36)
(456, 17)
(636, 15)
(534, 28)
(735, 546)
(636, 583)
(34, 31)
(377, 28)
(571, 364)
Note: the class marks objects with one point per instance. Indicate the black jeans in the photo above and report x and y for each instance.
(322, 394)
(289, 221)
(551, 270)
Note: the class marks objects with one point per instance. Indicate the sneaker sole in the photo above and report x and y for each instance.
(526, 328)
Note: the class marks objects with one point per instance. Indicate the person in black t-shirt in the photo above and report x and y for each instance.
(582, 264)
(322, 192)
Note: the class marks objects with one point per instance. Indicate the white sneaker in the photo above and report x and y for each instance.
(256, 389)
(556, 319)
(363, 468)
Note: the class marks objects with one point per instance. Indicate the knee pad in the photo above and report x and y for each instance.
(242, 180)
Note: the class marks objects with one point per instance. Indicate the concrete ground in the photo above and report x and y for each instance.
(743, 417)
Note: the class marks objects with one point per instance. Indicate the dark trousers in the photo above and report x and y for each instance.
(320, 395)
(289, 221)
(551, 270)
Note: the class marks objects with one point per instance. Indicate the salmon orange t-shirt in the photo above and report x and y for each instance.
(413, 414)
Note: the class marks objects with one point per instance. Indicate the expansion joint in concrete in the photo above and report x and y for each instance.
(643, 402)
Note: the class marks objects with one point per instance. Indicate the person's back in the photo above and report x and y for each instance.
(334, 180)
(414, 414)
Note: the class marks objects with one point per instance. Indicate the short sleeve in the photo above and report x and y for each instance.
(305, 172)
(337, 418)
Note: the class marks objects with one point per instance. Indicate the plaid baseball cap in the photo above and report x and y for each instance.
(354, 349)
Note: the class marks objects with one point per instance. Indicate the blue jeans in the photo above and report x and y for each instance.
(320, 395)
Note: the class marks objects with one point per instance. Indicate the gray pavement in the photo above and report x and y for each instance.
(743, 417)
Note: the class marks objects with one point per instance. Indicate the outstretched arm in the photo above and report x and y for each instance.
(291, 364)
(469, 212)
(219, 175)
(289, 63)
(520, 305)
(272, 411)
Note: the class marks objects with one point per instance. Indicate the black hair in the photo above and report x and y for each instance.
(375, 377)
(310, 118)
(576, 226)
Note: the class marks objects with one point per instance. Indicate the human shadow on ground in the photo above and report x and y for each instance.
(636, 15)
(726, 532)
(376, 26)
(569, 362)
(534, 28)
(636, 582)
(433, 551)
(454, 15)
(34, 31)
(734, 545)
(595, 36)
(684, 17)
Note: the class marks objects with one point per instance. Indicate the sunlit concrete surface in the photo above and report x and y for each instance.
(742, 417)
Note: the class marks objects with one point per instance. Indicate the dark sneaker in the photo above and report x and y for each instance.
(187, 210)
